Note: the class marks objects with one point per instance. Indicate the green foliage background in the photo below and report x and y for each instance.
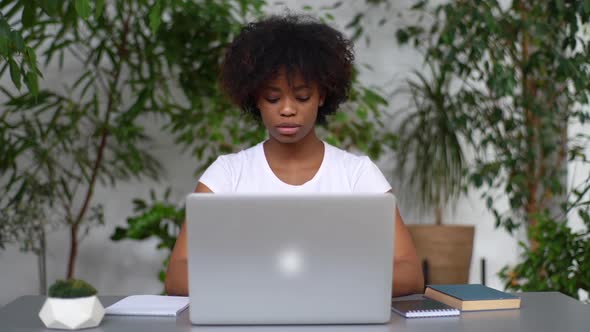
(140, 60)
(522, 72)
(519, 74)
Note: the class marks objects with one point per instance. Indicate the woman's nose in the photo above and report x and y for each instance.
(288, 108)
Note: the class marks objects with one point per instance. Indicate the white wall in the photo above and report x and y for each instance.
(120, 268)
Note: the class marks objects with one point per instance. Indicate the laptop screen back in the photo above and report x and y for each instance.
(290, 259)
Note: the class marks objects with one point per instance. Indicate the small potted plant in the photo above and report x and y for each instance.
(72, 304)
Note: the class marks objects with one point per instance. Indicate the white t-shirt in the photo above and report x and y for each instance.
(248, 171)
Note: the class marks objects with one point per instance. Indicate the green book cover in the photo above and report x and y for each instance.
(472, 292)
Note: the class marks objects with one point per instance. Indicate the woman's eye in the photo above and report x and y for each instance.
(303, 98)
(272, 100)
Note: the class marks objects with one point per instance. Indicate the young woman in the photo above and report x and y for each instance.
(290, 72)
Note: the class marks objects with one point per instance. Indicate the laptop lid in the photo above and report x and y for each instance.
(290, 259)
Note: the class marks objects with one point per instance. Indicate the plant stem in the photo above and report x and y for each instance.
(531, 123)
(42, 262)
(75, 225)
(438, 216)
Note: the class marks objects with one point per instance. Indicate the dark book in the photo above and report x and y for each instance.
(472, 297)
(423, 308)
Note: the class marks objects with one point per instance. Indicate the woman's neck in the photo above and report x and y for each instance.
(310, 147)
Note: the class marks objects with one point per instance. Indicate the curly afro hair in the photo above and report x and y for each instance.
(297, 43)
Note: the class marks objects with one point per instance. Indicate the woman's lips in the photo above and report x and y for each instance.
(288, 129)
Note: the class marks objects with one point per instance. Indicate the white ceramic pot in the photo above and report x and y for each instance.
(71, 314)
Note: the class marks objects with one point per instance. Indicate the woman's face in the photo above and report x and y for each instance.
(289, 111)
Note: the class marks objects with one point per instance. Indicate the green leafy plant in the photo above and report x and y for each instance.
(158, 219)
(359, 124)
(426, 144)
(58, 144)
(561, 260)
(522, 71)
(430, 153)
(71, 288)
(18, 56)
(219, 128)
(139, 60)
(194, 40)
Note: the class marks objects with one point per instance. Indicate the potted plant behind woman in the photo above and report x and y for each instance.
(72, 304)
(431, 165)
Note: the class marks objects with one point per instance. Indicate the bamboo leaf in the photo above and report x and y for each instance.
(31, 59)
(156, 16)
(15, 73)
(32, 82)
(18, 41)
(98, 9)
(83, 8)
(50, 7)
(28, 14)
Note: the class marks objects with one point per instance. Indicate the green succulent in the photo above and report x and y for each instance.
(71, 288)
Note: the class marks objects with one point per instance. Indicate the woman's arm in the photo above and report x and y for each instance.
(177, 273)
(407, 279)
(407, 271)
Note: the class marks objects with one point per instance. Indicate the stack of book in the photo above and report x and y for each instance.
(450, 300)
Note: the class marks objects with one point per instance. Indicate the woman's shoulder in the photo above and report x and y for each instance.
(345, 157)
(242, 156)
(224, 173)
(363, 173)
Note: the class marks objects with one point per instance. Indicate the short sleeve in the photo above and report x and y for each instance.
(369, 178)
(218, 176)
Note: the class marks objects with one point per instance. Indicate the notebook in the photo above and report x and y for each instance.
(148, 305)
(472, 297)
(423, 308)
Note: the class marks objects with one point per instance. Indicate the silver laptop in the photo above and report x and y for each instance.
(290, 259)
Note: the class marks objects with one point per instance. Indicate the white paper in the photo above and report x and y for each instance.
(148, 305)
